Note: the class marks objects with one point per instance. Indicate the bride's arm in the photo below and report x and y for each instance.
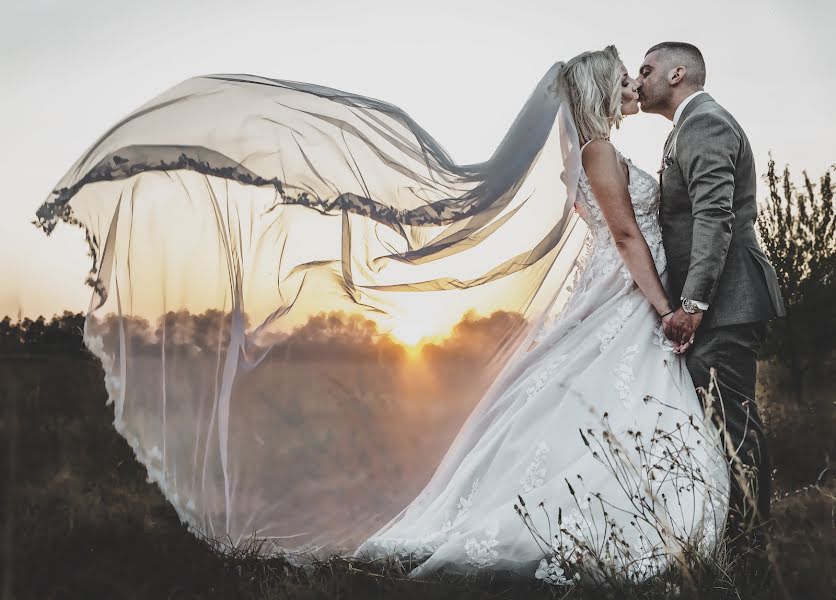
(610, 186)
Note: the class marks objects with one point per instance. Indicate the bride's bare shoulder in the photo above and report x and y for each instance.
(600, 159)
(597, 149)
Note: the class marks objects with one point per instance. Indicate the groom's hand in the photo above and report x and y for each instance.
(681, 326)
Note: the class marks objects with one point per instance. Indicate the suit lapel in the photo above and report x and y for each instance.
(668, 143)
(665, 151)
(705, 97)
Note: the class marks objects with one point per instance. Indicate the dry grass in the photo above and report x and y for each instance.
(81, 522)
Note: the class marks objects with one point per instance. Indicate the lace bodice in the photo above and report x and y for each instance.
(644, 192)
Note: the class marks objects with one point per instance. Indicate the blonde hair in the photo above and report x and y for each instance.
(591, 83)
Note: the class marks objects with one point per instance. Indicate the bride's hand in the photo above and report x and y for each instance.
(683, 348)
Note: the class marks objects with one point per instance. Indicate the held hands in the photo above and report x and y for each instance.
(679, 328)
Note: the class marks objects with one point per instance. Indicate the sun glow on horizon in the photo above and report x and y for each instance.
(414, 334)
(412, 337)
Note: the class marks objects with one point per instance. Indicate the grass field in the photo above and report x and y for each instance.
(80, 521)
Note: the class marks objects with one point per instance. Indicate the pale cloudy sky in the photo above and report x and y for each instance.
(462, 69)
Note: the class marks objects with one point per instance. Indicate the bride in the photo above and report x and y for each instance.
(260, 200)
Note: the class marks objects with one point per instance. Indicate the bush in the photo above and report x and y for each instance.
(798, 234)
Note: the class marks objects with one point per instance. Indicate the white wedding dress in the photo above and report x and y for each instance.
(600, 360)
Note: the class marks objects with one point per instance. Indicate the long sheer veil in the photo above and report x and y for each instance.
(263, 252)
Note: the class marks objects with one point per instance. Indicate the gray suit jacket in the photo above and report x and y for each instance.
(709, 207)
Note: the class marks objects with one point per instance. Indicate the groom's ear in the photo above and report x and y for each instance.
(677, 75)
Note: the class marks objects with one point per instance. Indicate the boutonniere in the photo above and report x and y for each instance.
(666, 162)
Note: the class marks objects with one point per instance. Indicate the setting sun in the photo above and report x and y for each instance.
(409, 332)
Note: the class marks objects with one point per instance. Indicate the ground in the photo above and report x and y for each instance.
(82, 522)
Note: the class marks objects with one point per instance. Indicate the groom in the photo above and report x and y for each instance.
(722, 282)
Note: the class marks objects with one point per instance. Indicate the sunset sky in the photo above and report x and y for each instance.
(462, 70)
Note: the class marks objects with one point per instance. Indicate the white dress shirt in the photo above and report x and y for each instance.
(701, 305)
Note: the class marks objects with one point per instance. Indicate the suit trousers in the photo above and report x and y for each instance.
(733, 352)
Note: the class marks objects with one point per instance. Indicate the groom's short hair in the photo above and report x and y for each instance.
(689, 56)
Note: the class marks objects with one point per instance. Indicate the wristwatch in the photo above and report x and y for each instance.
(691, 306)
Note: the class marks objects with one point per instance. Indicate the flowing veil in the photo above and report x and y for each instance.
(253, 239)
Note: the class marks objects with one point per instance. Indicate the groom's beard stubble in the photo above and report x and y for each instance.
(646, 105)
(643, 106)
(650, 108)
